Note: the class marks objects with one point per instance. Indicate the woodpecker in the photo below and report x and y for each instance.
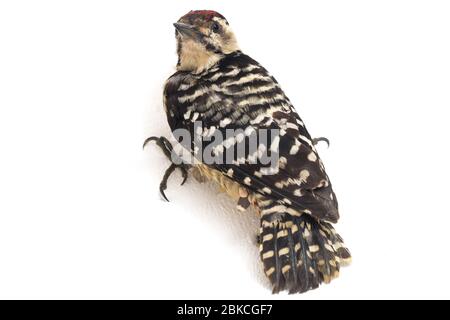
(219, 85)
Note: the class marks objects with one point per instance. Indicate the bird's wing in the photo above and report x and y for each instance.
(241, 94)
(298, 178)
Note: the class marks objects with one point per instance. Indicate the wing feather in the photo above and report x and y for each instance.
(240, 94)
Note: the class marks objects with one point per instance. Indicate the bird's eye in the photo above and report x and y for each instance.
(215, 27)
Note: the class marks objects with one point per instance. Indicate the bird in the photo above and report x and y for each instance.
(215, 83)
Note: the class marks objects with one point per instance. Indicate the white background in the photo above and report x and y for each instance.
(80, 89)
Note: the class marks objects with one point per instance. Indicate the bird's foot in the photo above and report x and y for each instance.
(315, 141)
(167, 149)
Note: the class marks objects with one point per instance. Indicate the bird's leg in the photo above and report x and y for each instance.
(315, 141)
(167, 149)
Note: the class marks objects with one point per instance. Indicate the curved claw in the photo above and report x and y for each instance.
(163, 143)
(163, 194)
(317, 140)
(148, 140)
(163, 184)
(184, 174)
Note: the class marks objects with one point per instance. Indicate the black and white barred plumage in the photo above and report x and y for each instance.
(299, 247)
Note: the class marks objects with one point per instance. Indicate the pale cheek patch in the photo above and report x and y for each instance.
(194, 56)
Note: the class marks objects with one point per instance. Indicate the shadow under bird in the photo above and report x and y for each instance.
(222, 87)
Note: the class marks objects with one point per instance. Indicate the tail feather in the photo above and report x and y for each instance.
(299, 252)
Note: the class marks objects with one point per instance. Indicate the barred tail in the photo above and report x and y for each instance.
(299, 252)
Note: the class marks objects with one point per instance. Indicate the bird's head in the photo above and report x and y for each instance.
(203, 38)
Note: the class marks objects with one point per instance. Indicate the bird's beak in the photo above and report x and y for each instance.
(186, 30)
